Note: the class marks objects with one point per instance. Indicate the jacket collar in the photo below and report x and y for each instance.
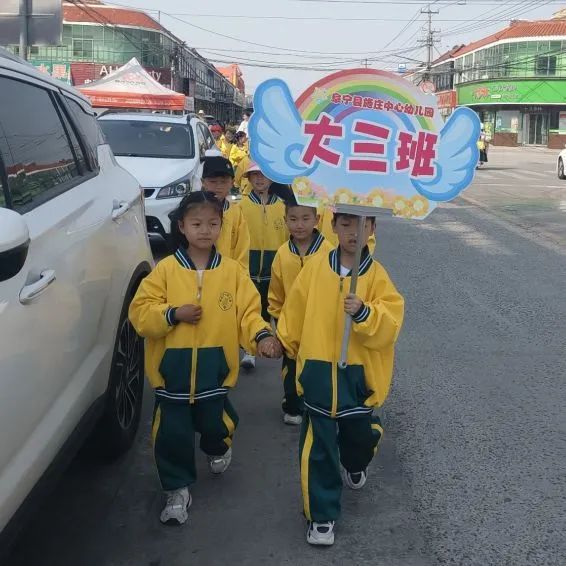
(317, 240)
(225, 205)
(185, 261)
(271, 198)
(365, 261)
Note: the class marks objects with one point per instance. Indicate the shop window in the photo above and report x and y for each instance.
(507, 121)
(545, 65)
(83, 48)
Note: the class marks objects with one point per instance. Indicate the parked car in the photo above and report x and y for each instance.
(165, 153)
(73, 250)
(561, 164)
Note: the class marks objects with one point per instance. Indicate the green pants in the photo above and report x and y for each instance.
(325, 444)
(173, 431)
(292, 404)
(263, 290)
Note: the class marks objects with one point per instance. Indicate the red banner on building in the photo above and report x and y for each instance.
(446, 99)
(84, 73)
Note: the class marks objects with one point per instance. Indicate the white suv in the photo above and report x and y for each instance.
(73, 249)
(164, 152)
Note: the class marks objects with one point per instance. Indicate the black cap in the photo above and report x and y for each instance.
(217, 167)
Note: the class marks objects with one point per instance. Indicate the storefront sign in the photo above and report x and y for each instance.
(446, 99)
(534, 91)
(59, 71)
(85, 73)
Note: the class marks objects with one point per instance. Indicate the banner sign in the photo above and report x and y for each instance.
(364, 137)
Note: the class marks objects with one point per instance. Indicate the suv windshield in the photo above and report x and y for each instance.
(138, 138)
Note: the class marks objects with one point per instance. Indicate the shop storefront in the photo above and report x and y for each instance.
(446, 102)
(519, 112)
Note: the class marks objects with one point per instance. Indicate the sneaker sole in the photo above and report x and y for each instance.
(291, 423)
(318, 542)
(349, 485)
(175, 522)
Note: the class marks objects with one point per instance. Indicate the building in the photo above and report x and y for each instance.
(514, 79)
(98, 38)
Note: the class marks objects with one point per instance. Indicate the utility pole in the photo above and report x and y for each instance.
(429, 39)
(25, 16)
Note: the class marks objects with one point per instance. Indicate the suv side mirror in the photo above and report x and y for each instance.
(14, 243)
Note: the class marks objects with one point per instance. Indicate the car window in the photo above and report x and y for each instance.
(210, 143)
(138, 138)
(78, 152)
(201, 142)
(38, 158)
(2, 195)
(89, 130)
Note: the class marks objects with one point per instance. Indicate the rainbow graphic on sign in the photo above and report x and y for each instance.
(364, 137)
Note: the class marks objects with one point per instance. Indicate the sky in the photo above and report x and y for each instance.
(301, 41)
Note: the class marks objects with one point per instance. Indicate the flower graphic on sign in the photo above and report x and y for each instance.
(357, 131)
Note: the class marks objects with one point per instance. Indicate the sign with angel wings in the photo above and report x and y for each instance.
(364, 137)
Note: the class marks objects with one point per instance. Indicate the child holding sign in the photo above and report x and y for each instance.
(339, 435)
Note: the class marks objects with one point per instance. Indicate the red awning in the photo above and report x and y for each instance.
(131, 86)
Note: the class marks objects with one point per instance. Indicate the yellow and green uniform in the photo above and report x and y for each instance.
(338, 426)
(266, 225)
(224, 146)
(238, 153)
(325, 226)
(193, 366)
(234, 239)
(240, 179)
(286, 267)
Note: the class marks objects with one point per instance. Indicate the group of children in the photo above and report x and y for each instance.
(261, 275)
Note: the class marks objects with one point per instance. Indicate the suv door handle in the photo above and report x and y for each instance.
(30, 292)
(120, 208)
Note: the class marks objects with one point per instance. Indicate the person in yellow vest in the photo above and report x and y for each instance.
(194, 310)
(265, 216)
(304, 244)
(239, 149)
(340, 434)
(234, 239)
(241, 181)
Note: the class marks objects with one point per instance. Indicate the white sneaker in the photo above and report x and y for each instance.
(219, 464)
(175, 510)
(356, 480)
(294, 420)
(248, 362)
(321, 534)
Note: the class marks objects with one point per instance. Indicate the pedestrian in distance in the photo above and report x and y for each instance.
(482, 146)
(240, 149)
(243, 127)
(234, 239)
(339, 434)
(217, 132)
(265, 216)
(195, 309)
(241, 181)
(304, 244)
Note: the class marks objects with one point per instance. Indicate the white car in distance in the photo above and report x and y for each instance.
(165, 153)
(73, 250)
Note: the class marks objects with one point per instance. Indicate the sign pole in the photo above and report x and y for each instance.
(24, 28)
(343, 363)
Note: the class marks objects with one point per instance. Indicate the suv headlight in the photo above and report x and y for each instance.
(177, 189)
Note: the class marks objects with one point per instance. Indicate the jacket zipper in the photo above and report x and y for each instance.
(334, 408)
(195, 348)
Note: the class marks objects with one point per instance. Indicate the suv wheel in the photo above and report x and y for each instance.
(116, 431)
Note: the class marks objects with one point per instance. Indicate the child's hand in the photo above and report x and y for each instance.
(269, 348)
(190, 314)
(352, 304)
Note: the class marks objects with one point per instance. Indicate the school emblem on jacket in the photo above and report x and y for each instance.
(225, 301)
(279, 224)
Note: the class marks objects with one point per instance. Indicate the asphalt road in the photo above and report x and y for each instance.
(473, 467)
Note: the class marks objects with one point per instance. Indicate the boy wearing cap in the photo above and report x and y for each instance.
(265, 216)
(234, 240)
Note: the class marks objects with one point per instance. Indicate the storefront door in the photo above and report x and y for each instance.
(537, 132)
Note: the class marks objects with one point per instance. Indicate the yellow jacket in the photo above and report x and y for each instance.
(224, 146)
(325, 226)
(234, 240)
(230, 318)
(238, 153)
(311, 328)
(286, 267)
(266, 225)
(240, 181)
